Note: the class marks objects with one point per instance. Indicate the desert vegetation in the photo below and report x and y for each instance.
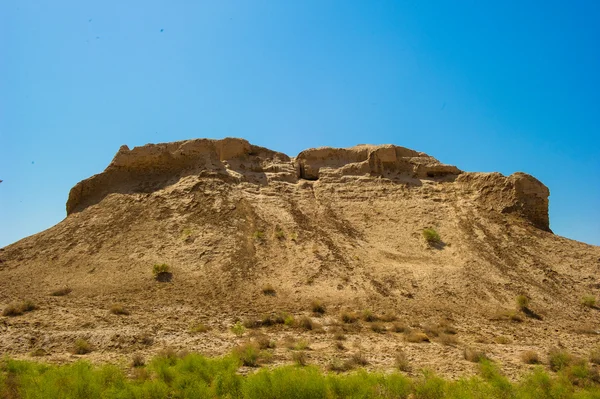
(18, 308)
(175, 375)
(431, 236)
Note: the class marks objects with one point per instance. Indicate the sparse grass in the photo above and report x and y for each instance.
(559, 359)
(348, 317)
(119, 309)
(17, 309)
(300, 358)
(522, 302)
(317, 307)
(38, 352)
(340, 346)
(530, 357)
(431, 236)
(137, 360)
(61, 291)
(401, 361)
(589, 301)
(474, 355)
(378, 327)
(238, 329)
(416, 337)
(82, 347)
(199, 328)
(279, 234)
(269, 290)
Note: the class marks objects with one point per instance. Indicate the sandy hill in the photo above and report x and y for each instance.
(341, 226)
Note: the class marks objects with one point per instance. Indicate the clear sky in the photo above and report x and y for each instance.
(488, 86)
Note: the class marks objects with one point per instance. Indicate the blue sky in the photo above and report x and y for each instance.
(488, 86)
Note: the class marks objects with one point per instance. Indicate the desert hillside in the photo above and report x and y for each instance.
(255, 236)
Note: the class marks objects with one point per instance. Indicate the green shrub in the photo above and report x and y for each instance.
(431, 236)
(238, 329)
(249, 354)
(559, 359)
(369, 316)
(522, 302)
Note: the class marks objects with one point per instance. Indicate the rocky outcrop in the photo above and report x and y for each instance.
(382, 160)
(154, 166)
(518, 193)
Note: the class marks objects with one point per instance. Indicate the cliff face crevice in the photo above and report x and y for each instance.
(154, 166)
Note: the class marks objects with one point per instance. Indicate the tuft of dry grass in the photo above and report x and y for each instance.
(61, 291)
(264, 342)
(296, 344)
(359, 359)
(269, 290)
(378, 327)
(508, 315)
(306, 323)
(448, 339)
(81, 347)
(339, 335)
(300, 358)
(400, 327)
(249, 354)
(348, 317)
(416, 337)
(369, 316)
(119, 309)
(138, 360)
(17, 309)
(338, 365)
(317, 307)
(401, 361)
(199, 328)
(388, 317)
(474, 355)
(530, 357)
(502, 340)
(340, 346)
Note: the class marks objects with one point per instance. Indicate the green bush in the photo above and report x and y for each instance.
(196, 376)
(160, 269)
(238, 329)
(522, 302)
(431, 236)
